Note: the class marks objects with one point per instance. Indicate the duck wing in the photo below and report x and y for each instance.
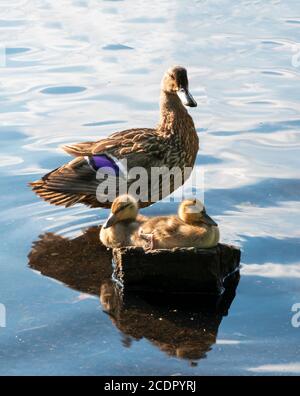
(142, 147)
(72, 183)
(118, 144)
(76, 181)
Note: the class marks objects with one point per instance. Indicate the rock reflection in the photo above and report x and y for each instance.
(185, 327)
(182, 326)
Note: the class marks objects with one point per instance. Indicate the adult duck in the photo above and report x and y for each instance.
(174, 143)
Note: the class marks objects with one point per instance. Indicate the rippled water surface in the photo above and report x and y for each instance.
(73, 70)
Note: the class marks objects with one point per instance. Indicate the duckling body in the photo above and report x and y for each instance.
(124, 233)
(168, 232)
(174, 143)
(122, 226)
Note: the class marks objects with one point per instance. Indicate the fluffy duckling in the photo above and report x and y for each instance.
(192, 228)
(121, 227)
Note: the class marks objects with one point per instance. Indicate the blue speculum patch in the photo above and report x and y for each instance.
(104, 162)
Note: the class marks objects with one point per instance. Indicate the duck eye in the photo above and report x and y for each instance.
(121, 208)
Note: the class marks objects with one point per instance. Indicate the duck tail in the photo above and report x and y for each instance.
(68, 185)
(41, 189)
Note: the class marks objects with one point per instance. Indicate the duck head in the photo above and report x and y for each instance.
(123, 208)
(175, 81)
(192, 211)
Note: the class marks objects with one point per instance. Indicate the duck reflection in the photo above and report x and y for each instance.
(182, 326)
(82, 263)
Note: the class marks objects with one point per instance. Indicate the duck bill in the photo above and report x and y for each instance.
(208, 220)
(186, 97)
(112, 219)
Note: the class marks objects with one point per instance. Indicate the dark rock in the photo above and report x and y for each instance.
(178, 270)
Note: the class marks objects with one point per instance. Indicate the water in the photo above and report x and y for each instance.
(78, 70)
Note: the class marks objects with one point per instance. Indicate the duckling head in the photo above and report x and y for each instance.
(192, 211)
(123, 208)
(175, 81)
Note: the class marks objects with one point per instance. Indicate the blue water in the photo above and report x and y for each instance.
(78, 70)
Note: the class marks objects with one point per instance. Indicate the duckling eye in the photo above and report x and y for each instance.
(121, 208)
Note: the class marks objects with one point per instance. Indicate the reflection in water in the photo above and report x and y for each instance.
(81, 263)
(183, 327)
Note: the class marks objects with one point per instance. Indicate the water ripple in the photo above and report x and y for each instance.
(64, 90)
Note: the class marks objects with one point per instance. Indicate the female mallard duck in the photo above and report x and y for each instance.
(121, 227)
(174, 143)
(191, 228)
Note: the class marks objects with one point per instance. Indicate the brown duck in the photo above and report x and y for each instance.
(174, 143)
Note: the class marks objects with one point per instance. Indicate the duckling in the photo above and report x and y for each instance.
(123, 223)
(173, 143)
(191, 228)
